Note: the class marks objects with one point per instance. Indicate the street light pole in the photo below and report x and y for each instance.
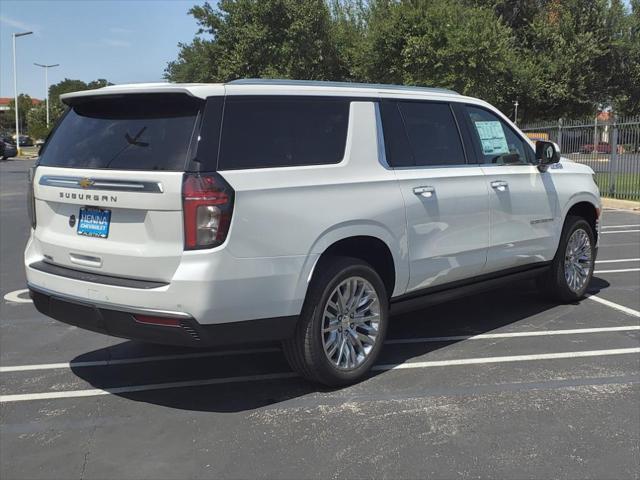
(515, 104)
(46, 84)
(15, 87)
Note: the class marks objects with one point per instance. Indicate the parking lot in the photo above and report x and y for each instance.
(498, 385)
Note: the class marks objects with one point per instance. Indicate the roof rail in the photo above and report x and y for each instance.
(321, 83)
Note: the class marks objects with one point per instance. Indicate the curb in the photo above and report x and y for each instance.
(621, 204)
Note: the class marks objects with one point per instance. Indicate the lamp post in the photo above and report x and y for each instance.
(515, 119)
(15, 87)
(46, 84)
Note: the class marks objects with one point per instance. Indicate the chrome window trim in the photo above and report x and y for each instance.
(101, 184)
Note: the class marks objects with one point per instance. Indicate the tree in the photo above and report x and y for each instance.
(65, 86)
(625, 82)
(37, 121)
(37, 118)
(25, 103)
(556, 57)
(350, 19)
(569, 46)
(442, 44)
(259, 38)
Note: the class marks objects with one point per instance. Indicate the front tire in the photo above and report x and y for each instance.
(343, 323)
(572, 269)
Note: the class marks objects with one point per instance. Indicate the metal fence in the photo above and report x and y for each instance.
(610, 146)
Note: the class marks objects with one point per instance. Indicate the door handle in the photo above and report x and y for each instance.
(500, 185)
(424, 191)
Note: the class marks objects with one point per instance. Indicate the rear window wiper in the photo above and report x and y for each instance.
(134, 140)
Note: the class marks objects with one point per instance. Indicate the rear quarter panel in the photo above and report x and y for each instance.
(300, 211)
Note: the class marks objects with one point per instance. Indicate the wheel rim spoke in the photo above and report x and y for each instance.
(350, 323)
(578, 260)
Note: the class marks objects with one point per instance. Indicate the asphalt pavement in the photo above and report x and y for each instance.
(499, 385)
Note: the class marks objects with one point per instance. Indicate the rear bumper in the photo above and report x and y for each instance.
(120, 321)
(212, 287)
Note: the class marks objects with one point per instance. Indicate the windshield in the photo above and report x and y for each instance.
(127, 132)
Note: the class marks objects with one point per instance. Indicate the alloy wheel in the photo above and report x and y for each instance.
(578, 260)
(350, 323)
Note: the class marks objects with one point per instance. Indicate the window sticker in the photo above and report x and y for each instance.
(492, 138)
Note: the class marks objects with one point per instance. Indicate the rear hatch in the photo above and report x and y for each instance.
(108, 186)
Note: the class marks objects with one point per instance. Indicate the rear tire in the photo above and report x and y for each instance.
(572, 268)
(342, 325)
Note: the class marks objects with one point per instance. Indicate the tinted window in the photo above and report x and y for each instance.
(433, 133)
(282, 131)
(396, 144)
(206, 158)
(498, 143)
(129, 132)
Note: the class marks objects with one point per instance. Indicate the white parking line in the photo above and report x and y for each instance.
(142, 388)
(620, 226)
(510, 358)
(277, 376)
(622, 270)
(620, 260)
(16, 298)
(541, 333)
(620, 231)
(125, 361)
(616, 306)
(395, 341)
(621, 210)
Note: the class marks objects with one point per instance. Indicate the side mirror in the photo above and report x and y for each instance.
(546, 154)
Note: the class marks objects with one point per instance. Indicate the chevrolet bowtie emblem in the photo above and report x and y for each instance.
(86, 182)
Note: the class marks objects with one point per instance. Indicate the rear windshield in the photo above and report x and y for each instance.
(128, 132)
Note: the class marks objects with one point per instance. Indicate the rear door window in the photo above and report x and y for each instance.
(433, 133)
(125, 132)
(265, 132)
(396, 143)
(421, 134)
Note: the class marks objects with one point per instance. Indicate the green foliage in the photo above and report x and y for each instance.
(24, 105)
(37, 121)
(440, 43)
(56, 107)
(556, 57)
(350, 20)
(625, 84)
(65, 86)
(33, 118)
(259, 38)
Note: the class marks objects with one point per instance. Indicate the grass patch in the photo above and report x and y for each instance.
(627, 185)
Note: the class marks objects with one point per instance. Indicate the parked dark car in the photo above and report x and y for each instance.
(602, 147)
(26, 141)
(7, 150)
(7, 138)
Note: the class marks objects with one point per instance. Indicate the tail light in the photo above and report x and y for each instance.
(207, 202)
(31, 199)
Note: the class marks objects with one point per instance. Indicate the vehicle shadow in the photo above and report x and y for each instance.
(248, 389)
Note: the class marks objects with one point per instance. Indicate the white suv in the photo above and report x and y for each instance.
(304, 212)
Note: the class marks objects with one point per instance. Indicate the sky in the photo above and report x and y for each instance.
(120, 40)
